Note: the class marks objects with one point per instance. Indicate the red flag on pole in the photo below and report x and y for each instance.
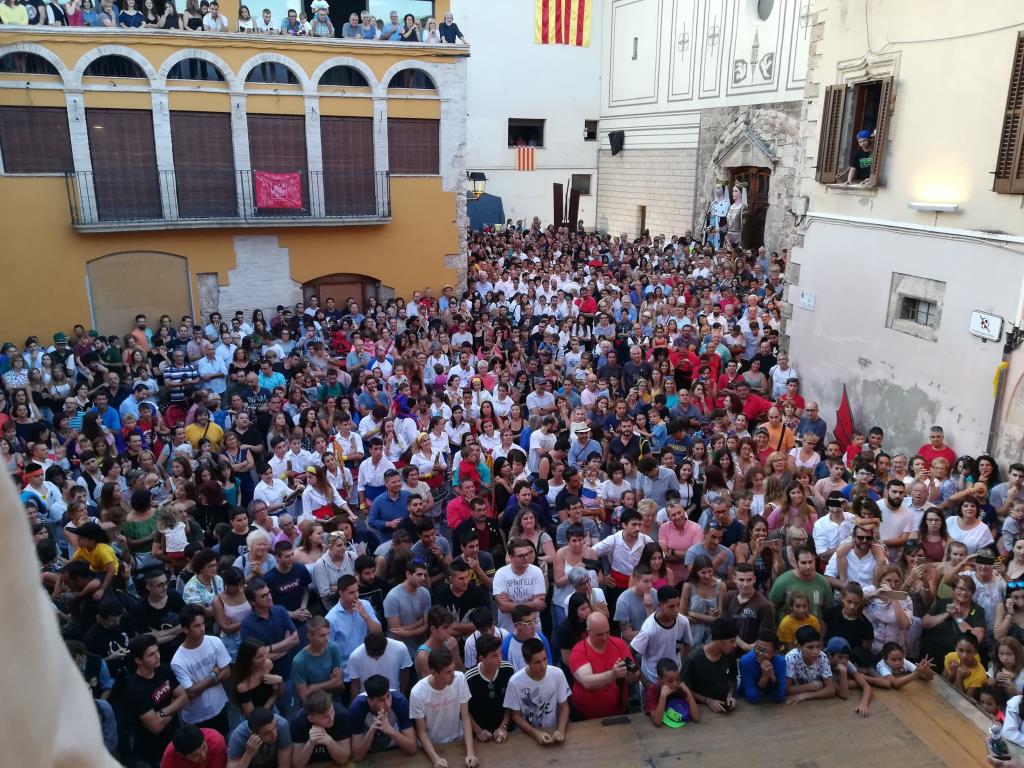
(844, 421)
(278, 190)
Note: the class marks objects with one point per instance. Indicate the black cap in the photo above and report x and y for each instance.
(91, 531)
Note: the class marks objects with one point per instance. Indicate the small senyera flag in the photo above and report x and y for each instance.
(563, 22)
(844, 421)
(525, 159)
(278, 190)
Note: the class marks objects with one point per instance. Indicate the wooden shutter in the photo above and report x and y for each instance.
(885, 104)
(277, 143)
(413, 146)
(204, 164)
(347, 146)
(831, 134)
(1009, 174)
(124, 164)
(35, 140)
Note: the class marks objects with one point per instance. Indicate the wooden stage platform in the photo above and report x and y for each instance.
(918, 727)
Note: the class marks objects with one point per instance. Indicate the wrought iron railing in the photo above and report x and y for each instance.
(108, 199)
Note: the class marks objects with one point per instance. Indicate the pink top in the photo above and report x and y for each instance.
(670, 537)
(776, 520)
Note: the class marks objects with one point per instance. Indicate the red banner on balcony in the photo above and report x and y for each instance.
(278, 190)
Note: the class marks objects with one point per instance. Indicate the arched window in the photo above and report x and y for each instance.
(195, 69)
(346, 76)
(26, 64)
(412, 78)
(114, 66)
(271, 72)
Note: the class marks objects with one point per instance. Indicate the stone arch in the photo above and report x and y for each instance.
(111, 50)
(764, 137)
(43, 53)
(238, 86)
(433, 72)
(194, 53)
(344, 61)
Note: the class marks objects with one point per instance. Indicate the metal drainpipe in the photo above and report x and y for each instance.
(1003, 373)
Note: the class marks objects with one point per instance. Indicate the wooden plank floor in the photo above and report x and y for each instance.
(912, 728)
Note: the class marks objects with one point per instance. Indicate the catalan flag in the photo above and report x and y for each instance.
(563, 22)
(525, 159)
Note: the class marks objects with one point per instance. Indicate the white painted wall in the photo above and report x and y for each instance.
(511, 76)
(693, 55)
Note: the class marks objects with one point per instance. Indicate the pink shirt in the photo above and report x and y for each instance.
(670, 537)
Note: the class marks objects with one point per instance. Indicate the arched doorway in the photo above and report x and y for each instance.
(757, 180)
(342, 286)
(123, 285)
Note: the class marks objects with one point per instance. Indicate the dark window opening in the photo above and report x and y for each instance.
(344, 76)
(114, 66)
(919, 311)
(590, 130)
(26, 64)
(581, 183)
(415, 79)
(195, 69)
(271, 72)
(525, 133)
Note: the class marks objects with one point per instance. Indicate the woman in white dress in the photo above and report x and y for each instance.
(967, 527)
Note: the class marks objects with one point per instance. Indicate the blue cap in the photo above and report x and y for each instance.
(863, 134)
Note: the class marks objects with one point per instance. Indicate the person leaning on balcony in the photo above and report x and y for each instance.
(265, 24)
(12, 13)
(73, 12)
(450, 31)
(150, 19)
(411, 31)
(350, 29)
(291, 25)
(321, 25)
(213, 21)
(130, 17)
(368, 26)
(392, 31)
(107, 14)
(170, 18)
(245, 22)
(194, 13)
(430, 33)
(88, 13)
(51, 14)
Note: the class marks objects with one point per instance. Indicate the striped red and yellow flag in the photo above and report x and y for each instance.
(525, 159)
(563, 22)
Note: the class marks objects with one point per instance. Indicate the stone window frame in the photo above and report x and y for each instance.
(903, 286)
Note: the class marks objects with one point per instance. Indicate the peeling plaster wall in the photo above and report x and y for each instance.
(899, 382)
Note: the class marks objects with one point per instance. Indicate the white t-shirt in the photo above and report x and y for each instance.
(193, 665)
(828, 534)
(655, 641)
(539, 443)
(537, 701)
(440, 708)
(395, 658)
(860, 570)
(519, 589)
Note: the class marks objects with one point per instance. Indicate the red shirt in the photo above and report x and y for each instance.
(587, 306)
(603, 702)
(929, 454)
(798, 401)
(458, 510)
(755, 407)
(216, 753)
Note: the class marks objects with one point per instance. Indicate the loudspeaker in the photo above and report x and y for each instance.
(615, 138)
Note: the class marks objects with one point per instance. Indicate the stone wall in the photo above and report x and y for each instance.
(778, 128)
(261, 277)
(662, 180)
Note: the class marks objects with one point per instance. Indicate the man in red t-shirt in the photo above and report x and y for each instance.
(754, 406)
(602, 668)
(194, 747)
(936, 448)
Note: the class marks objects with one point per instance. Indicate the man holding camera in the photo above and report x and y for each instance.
(603, 669)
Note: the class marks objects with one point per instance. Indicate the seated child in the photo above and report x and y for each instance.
(798, 614)
(895, 668)
(669, 701)
(962, 667)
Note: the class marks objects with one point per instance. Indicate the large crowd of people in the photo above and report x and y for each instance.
(205, 16)
(590, 484)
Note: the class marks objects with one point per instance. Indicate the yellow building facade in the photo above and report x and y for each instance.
(185, 173)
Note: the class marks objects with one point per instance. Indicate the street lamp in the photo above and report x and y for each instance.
(477, 182)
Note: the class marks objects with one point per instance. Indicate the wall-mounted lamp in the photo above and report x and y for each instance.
(477, 182)
(935, 207)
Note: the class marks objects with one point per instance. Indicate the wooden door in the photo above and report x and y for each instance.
(159, 284)
(758, 182)
(342, 287)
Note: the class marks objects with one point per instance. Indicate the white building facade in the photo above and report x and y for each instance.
(703, 91)
(547, 93)
(892, 268)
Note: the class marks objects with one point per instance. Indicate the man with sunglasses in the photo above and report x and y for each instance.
(863, 561)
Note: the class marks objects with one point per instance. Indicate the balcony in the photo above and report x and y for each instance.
(120, 200)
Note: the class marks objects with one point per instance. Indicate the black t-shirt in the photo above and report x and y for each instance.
(253, 436)
(106, 642)
(141, 696)
(713, 679)
(374, 593)
(234, 544)
(856, 631)
(460, 607)
(339, 731)
(861, 162)
(487, 697)
(148, 618)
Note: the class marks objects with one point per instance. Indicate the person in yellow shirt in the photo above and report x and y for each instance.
(798, 614)
(94, 548)
(780, 437)
(203, 427)
(13, 13)
(962, 667)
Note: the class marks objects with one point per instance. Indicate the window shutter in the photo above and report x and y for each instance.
(831, 131)
(1009, 174)
(885, 103)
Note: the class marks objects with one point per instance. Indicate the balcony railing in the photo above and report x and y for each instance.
(150, 199)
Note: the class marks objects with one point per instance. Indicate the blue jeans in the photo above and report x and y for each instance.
(558, 617)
